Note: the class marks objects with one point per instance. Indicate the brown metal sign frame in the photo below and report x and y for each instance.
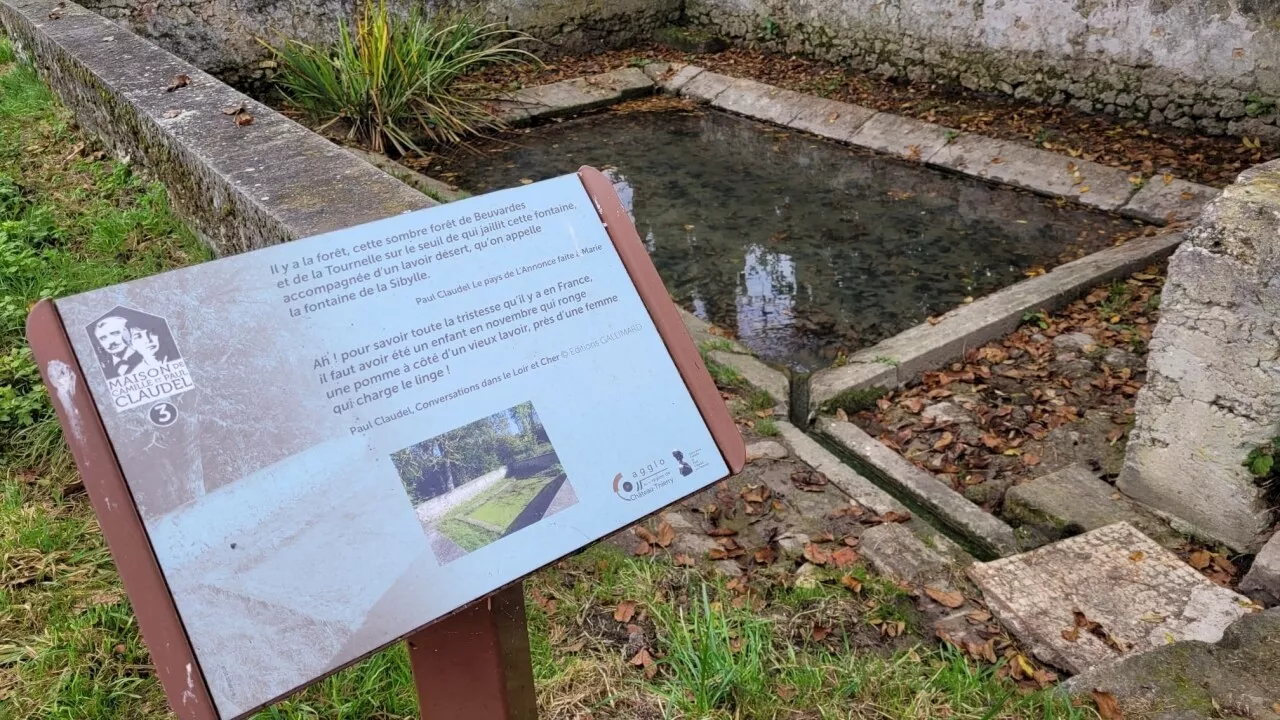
(472, 664)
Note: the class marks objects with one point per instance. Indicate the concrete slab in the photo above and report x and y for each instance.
(759, 375)
(1036, 170)
(862, 490)
(759, 101)
(928, 346)
(901, 136)
(895, 552)
(568, 97)
(705, 86)
(1071, 501)
(1262, 582)
(676, 82)
(1162, 203)
(984, 529)
(1110, 593)
(830, 119)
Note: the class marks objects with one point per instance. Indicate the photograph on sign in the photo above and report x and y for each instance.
(483, 481)
(335, 441)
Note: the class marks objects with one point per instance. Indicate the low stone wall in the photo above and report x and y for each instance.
(1212, 66)
(223, 36)
(241, 186)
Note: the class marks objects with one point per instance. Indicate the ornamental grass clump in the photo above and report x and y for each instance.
(393, 80)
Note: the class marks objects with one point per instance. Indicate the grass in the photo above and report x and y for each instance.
(497, 506)
(69, 644)
(392, 79)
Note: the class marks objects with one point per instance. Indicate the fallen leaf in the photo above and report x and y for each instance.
(944, 441)
(1030, 460)
(1154, 618)
(755, 493)
(1114, 435)
(851, 582)
(688, 227)
(1024, 665)
(1071, 635)
(1108, 708)
(1084, 189)
(841, 415)
(243, 119)
(666, 534)
(947, 598)
(786, 692)
(643, 548)
(722, 532)
(816, 554)
(979, 616)
(180, 80)
(820, 632)
(576, 647)
(809, 480)
(625, 611)
(684, 560)
(1200, 559)
(844, 557)
(1137, 556)
(645, 534)
(765, 555)
(233, 109)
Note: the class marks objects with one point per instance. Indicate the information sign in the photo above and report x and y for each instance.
(304, 453)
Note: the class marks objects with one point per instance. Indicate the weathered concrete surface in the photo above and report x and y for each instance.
(221, 37)
(766, 450)
(1190, 680)
(1262, 582)
(705, 86)
(862, 490)
(1039, 171)
(1213, 379)
(1188, 64)
(240, 187)
(950, 506)
(1071, 501)
(901, 136)
(760, 101)
(830, 119)
(895, 552)
(677, 80)
(1140, 595)
(576, 95)
(927, 346)
(759, 376)
(1165, 202)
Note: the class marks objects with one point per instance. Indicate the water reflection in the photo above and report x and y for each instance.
(803, 248)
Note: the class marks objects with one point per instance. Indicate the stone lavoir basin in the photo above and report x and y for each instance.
(803, 247)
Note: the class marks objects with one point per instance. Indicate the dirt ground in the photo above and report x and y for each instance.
(1130, 145)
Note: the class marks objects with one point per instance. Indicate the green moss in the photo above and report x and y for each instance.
(854, 400)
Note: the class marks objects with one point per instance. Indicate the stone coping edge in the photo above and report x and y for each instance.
(1000, 161)
(987, 531)
(240, 187)
(925, 347)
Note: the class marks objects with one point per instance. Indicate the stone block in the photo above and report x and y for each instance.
(766, 450)
(895, 552)
(759, 101)
(1036, 170)
(928, 346)
(948, 505)
(860, 489)
(901, 136)
(758, 375)
(830, 119)
(1163, 203)
(1071, 501)
(705, 86)
(1262, 582)
(1096, 598)
(676, 82)
(569, 97)
(1213, 381)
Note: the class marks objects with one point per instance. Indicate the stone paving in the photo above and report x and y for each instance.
(1095, 598)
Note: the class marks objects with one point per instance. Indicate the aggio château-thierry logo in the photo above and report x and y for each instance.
(657, 473)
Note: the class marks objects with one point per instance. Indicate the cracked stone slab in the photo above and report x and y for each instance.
(675, 83)
(759, 101)
(950, 506)
(1141, 596)
(574, 96)
(705, 86)
(1036, 170)
(894, 551)
(901, 136)
(830, 119)
(1162, 203)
